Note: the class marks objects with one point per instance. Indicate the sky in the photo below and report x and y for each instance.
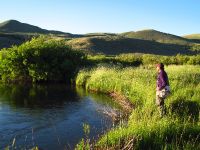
(180, 17)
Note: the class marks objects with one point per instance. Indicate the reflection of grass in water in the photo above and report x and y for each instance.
(105, 104)
(180, 128)
(13, 144)
(84, 143)
(19, 90)
(35, 96)
(100, 98)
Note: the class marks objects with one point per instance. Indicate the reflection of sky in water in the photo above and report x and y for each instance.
(51, 117)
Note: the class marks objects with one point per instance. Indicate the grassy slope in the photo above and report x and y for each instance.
(99, 34)
(192, 36)
(9, 39)
(118, 44)
(180, 128)
(147, 41)
(154, 35)
(13, 32)
(14, 26)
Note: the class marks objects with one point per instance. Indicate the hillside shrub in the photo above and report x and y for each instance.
(40, 60)
(136, 59)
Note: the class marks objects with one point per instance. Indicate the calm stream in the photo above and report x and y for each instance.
(50, 116)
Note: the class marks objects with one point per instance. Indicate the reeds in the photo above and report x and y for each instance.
(179, 129)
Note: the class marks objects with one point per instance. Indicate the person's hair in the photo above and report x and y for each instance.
(160, 65)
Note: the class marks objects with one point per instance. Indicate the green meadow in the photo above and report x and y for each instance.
(132, 76)
(179, 129)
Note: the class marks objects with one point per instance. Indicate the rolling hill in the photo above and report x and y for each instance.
(157, 36)
(145, 41)
(99, 34)
(14, 26)
(13, 32)
(112, 45)
(11, 26)
(192, 36)
(9, 39)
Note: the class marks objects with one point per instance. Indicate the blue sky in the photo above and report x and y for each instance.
(178, 17)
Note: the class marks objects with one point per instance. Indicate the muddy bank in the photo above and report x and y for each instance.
(123, 102)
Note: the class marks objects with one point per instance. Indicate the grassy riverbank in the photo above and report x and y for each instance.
(44, 59)
(180, 128)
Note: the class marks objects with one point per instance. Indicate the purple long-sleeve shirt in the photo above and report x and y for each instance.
(162, 80)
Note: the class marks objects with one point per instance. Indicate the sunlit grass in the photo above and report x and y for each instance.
(180, 128)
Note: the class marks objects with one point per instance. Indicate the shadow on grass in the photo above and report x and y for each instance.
(185, 108)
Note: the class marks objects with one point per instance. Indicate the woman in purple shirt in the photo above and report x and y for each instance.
(162, 88)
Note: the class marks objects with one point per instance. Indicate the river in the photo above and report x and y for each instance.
(51, 116)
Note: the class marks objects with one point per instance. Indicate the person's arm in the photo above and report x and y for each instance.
(162, 79)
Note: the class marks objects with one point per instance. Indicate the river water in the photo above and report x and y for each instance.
(51, 116)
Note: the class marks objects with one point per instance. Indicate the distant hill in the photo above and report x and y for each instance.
(9, 39)
(13, 32)
(99, 34)
(157, 36)
(14, 26)
(192, 36)
(11, 26)
(117, 44)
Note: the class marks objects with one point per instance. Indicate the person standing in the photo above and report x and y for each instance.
(162, 88)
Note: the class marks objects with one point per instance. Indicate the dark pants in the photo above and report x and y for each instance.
(160, 102)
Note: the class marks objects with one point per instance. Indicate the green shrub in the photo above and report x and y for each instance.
(41, 59)
(136, 59)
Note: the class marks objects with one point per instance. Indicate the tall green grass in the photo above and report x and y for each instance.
(179, 129)
(136, 59)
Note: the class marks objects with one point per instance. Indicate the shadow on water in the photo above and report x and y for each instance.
(51, 116)
(40, 96)
(100, 98)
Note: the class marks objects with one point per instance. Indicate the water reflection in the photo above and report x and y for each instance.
(50, 116)
(40, 96)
